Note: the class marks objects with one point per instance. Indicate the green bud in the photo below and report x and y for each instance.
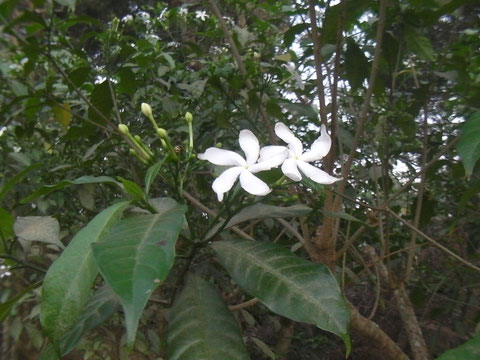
(162, 133)
(164, 144)
(138, 138)
(188, 117)
(147, 110)
(132, 152)
(123, 129)
(218, 145)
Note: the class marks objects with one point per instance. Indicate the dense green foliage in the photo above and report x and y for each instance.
(114, 244)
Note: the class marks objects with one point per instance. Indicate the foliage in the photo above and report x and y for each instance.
(107, 215)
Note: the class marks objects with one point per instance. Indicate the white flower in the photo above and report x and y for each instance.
(296, 159)
(240, 167)
(201, 14)
(183, 11)
(127, 18)
(2, 130)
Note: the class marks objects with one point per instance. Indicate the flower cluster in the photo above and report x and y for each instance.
(293, 159)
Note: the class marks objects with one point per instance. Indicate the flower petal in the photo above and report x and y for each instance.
(273, 153)
(250, 146)
(222, 157)
(225, 181)
(289, 168)
(320, 147)
(252, 184)
(284, 133)
(314, 173)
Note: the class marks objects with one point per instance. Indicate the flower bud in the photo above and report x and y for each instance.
(162, 133)
(132, 152)
(147, 110)
(123, 129)
(188, 117)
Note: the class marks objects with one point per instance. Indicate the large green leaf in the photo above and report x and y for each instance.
(67, 285)
(468, 351)
(469, 145)
(287, 284)
(263, 211)
(136, 256)
(101, 306)
(46, 189)
(50, 353)
(201, 327)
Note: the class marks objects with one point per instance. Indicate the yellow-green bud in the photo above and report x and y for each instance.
(123, 129)
(132, 152)
(188, 117)
(218, 145)
(138, 138)
(162, 133)
(147, 110)
(164, 144)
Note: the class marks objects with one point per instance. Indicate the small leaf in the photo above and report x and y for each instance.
(101, 306)
(151, 174)
(287, 284)
(136, 256)
(46, 189)
(6, 224)
(301, 109)
(101, 100)
(62, 114)
(132, 189)
(202, 327)
(469, 145)
(263, 211)
(419, 44)
(38, 228)
(264, 348)
(468, 351)
(67, 285)
(8, 305)
(49, 353)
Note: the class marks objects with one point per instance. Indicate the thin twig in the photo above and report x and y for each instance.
(434, 242)
(291, 229)
(23, 262)
(243, 305)
(210, 212)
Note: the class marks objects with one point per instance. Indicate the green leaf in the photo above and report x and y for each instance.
(151, 174)
(132, 189)
(202, 327)
(356, 65)
(101, 99)
(67, 285)
(16, 179)
(45, 229)
(136, 256)
(6, 224)
(287, 284)
(62, 114)
(301, 109)
(101, 306)
(7, 306)
(468, 351)
(128, 83)
(342, 215)
(46, 189)
(263, 211)
(49, 353)
(419, 44)
(469, 145)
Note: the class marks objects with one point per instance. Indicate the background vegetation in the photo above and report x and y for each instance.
(397, 84)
